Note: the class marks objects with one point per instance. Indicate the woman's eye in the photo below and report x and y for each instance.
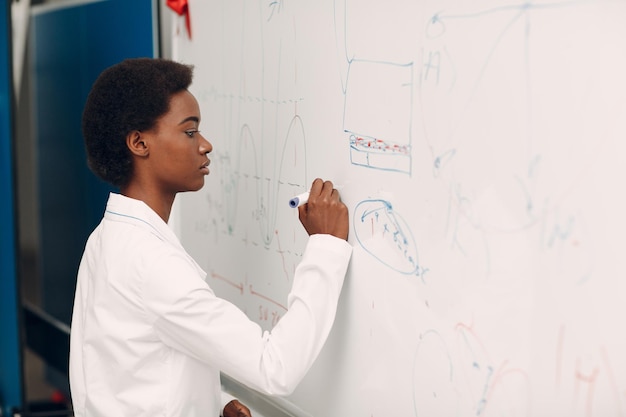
(191, 133)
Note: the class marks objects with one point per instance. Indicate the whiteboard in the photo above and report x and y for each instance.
(481, 149)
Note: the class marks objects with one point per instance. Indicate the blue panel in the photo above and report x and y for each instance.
(70, 47)
(10, 352)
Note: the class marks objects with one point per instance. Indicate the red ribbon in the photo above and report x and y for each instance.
(181, 7)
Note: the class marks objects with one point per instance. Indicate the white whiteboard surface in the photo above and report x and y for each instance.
(481, 149)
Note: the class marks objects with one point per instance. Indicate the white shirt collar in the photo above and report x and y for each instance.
(125, 209)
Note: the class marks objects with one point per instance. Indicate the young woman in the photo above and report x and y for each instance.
(149, 337)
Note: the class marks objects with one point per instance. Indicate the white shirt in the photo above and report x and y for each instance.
(149, 337)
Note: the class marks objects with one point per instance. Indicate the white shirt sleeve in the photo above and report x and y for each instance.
(189, 317)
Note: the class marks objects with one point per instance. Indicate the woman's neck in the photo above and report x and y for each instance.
(161, 203)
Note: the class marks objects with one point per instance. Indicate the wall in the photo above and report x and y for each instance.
(10, 355)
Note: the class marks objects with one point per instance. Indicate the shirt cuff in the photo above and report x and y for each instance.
(226, 398)
(330, 242)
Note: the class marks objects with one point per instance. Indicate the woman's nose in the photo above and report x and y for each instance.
(205, 146)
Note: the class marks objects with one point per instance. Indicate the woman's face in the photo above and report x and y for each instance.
(178, 152)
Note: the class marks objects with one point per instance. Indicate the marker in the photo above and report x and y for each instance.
(299, 200)
(303, 198)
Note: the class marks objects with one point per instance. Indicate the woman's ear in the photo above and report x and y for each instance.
(136, 143)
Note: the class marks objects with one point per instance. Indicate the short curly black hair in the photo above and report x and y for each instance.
(127, 96)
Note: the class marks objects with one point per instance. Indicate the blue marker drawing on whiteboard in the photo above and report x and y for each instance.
(299, 200)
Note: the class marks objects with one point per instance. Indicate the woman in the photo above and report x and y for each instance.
(149, 337)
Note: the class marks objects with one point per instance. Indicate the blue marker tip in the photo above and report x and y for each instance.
(299, 200)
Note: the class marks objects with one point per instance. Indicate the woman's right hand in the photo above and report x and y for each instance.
(324, 213)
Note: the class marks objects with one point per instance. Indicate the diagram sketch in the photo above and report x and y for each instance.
(462, 85)
(386, 236)
(260, 153)
(464, 380)
(378, 91)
